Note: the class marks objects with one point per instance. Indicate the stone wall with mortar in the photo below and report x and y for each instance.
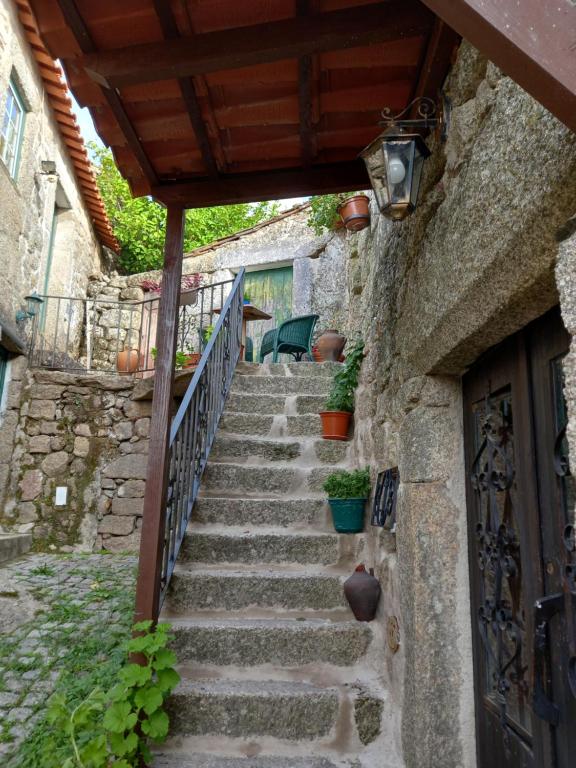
(472, 265)
(31, 199)
(83, 433)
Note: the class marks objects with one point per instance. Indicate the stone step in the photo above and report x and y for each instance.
(255, 424)
(287, 513)
(282, 710)
(13, 545)
(281, 642)
(175, 760)
(288, 369)
(235, 590)
(228, 446)
(274, 404)
(235, 545)
(273, 480)
(282, 385)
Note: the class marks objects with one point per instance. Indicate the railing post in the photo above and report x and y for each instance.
(153, 523)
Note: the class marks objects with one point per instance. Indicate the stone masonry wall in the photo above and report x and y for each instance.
(472, 265)
(86, 434)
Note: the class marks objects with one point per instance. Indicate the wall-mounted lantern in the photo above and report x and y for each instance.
(33, 302)
(394, 160)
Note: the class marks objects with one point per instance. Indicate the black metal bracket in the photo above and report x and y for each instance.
(384, 506)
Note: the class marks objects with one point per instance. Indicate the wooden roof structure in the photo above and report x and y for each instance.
(208, 102)
(59, 99)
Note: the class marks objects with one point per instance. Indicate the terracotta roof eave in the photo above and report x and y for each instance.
(59, 98)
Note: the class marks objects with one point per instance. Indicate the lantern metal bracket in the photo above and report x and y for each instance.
(428, 115)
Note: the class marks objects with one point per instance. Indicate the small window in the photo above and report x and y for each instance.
(12, 125)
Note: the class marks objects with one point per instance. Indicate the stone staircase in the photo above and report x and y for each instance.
(275, 670)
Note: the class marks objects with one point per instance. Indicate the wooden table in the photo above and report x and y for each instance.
(249, 312)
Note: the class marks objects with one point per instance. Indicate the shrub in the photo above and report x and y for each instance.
(348, 485)
(341, 397)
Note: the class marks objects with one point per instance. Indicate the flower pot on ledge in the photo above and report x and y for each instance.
(335, 424)
(128, 361)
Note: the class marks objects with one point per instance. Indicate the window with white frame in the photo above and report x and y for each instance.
(12, 129)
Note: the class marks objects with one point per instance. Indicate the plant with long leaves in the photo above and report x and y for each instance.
(341, 397)
(113, 729)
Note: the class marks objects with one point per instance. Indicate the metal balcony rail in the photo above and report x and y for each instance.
(192, 434)
(87, 335)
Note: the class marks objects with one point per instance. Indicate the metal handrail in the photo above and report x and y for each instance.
(195, 423)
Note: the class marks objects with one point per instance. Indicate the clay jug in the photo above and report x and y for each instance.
(331, 344)
(362, 591)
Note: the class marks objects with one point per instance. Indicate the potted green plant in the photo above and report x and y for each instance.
(181, 359)
(207, 334)
(329, 212)
(340, 403)
(347, 494)
(247, 298)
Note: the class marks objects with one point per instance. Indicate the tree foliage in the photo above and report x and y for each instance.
(139, 223)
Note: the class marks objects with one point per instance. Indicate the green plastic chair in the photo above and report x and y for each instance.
(293, 337)
(249, 351)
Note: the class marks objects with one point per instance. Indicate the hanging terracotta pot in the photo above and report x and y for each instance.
(335, 424)
(331, 345)
(362, 590)
(355, 212)
(128, 361)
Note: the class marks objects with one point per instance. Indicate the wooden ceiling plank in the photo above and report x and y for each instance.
(254, 187)
(532, 42)
(435, 63)
(241, 47)
(305, 96)
(82, 35)
(186, 84)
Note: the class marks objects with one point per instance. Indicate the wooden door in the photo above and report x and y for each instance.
(509, 415)
(271, 291)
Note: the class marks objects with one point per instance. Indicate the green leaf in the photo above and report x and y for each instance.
(119, 717)
(167, 680)
(142, 626)
(133, 675)
(157, 725)
(122, 746)
(149, 699)
(164, 659)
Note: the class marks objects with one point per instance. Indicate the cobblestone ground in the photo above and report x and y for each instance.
(51, 606)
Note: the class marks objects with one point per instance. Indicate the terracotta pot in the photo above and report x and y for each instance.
(355, 212)
(363, 591)
(128, 361)
(335, 424)
(330, 345)
(192, 359)
(316, 355)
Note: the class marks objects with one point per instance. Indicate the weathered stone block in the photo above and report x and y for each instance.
(55, 463)
(368, 715)
(81, 446)
(46, 391)
(130, 543)
(39, 444)
(134, 409)
(131, 489)
(7, 432)
(58, 443)
(118, 525)
(26, 513)
(123, 430)
(49, 428)
(31, 484)
(142, 427)
(133, 507)
(128, 467)
(42, 409)
(83, 430)
(427, 445)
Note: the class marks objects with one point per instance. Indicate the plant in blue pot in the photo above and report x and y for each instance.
(347, 496)
(247, 299)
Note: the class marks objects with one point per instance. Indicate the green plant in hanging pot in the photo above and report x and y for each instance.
(330, 212)
(347, 495)
(340, 403)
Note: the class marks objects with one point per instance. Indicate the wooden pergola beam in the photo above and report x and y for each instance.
(241, 47)
(305, 96)
(253, 187)
(84, 39)
(170, 32)
(533, 42)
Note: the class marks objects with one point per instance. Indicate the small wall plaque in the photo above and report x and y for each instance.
(393, 633)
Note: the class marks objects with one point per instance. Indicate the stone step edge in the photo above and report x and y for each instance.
(212, 760)
(277, 622)
(240, 531)
(270, 570)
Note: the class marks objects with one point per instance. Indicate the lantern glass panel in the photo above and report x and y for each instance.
(399, 157)
(417, 175)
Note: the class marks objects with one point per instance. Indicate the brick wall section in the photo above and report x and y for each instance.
(84, 433)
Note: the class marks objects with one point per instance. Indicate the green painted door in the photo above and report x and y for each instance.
(271, 291)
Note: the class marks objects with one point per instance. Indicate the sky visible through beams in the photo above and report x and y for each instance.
(88, 132)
